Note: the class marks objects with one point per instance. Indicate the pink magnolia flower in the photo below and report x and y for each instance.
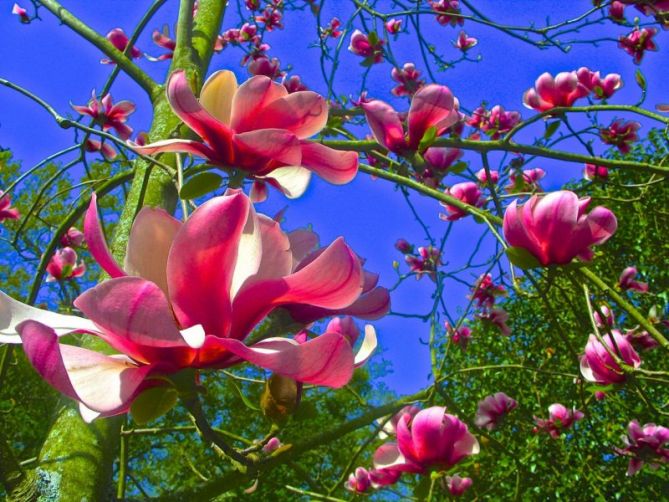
(271, 17)
(608, 318)
(593, 172)
(628, 282)
(495, 122)
(272, 445)
(657, 8)
(393, 26)
(559, 419)
(485, 291)
(332, 29)
(465, 42)
(458, 486)
(602, 88)
(22, 13)
(257, 127)
(369, 46)
(188, 295)
(390, 426)
(433, 106)
(467, 192)
(63, 265)
(460, 335)
(649, 443)
(448, 12)
(294, 84)
(252, 4)
(120, 40)
(528, 181)
(427, 262)
(441, 158)
(549, 92)
(73, 238)
(555, 228)
(6, 211)
(620, 134)
(384, 477)
(598, 365)
(408, 79)
(359, 481)
(617, 11)
(637, 42)
(162, 39)
(403, 246)
(493, 409)
(482, 176)
(107, 151)
(265, 66)
(498, 318)
(109, 115)
(431, 438)
(641, 340)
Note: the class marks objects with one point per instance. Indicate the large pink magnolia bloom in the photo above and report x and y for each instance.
(6, 211)
(555, 228)
(560, 418)
(430, 438)
(187, 296)
(257, 127)
(549, 92)
(598, 365)
(649, 443)
(431, 106)
(493, 409)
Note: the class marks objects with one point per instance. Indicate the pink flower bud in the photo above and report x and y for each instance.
(559, 419)
(272, 445)
(344, 326)
(608, 320)
(595, 173)
(458, 486)
(482, 176)
(393, 26)
(467, 192)
(120, 40)
(72, 238)
(599, 366)
(403, 246)
(362, 45)
(22, 13)
(63, 265)
(464, 42)
(359, 481)
(6, 211)
(448, 12)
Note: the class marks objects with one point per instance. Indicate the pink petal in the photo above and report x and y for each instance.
(325, 360)
(250, 100)
(175, 145)
(388, 456)
(97, 245)
(334, 166)
(217, 94)
(200, 266)
(136, 319)
(333, 280)
(429, 107)
(277, 260)
(303, 113)
(370, 306)
(291, 180)
(302, 243)
(189, 109)
(268, 144)
(102, 383)
(250, 250)
(149, 244)
(385, 124)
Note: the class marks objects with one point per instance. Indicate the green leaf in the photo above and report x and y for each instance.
(199, 185)
(458, 167)
(428, 138)
(551, 128)
(153, 403)
(522, 258)
(373, 38)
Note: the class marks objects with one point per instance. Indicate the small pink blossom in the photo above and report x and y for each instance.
(465, 42)
(528, 181)
(555, 228)
(393, 26)
(641, 340)
(271, 17)
(627, 281)
(265, 66)
(608, 319)
(602, 88)
(495, 122)
(359, 481)
(457, 485)
(482, 176)
(647, 444)
(294, 84)
(448, 12)
(441, 158)
(467, 192)
(17, 10)
(617, 11)
(485, 291)
(107, 151)
(593, 172)
(559, 419)
(549, 92)
(369, 47)
(493, 409)
(497, 317)
(403, 246)
(461, 335)
(73, 238)
(431, 438)
(120, 40)
(599, 366)
(6, 211)
(620, 134)
(637, 42)
(408, 79)
(252, 5)
(109, 115)
(63, 265)
(384, 477)
(272, 445)
(332, 29)
(427, 262)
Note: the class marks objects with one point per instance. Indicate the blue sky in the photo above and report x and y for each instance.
(52, 62)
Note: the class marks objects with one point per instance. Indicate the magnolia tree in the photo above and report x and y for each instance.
(167, 330)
